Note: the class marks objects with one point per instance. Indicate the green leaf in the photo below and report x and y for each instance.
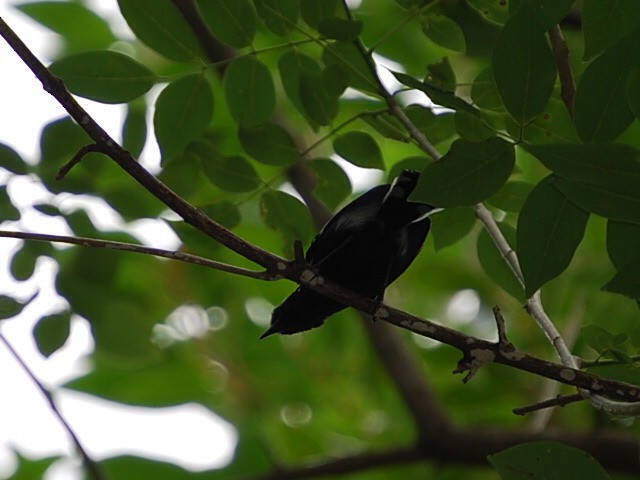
(269, 143)
(601, 109)
(347, 55)
(467, 174)
(550, 228)
(134, 128)
(626, 281)
(249, 91)
(81, 28)
(494, 11)
(553, 125)
(313, 11)
(104, 76)
(8, 211)
(162, 27)
(335, 28)
(286, 214)
(23, 263)
(317, 103)
(293, 66)
(604, 22)
(547, 14)
(511, 196)
(280, 16)
(12, 161)
(548, 460)
(441, 75)
(622, 242)
(445, 32)
(10, 307)
(28, 469)
(332, 183)
(484, 92)
(437, 128)
(494, 264)
(224, 212)
(596, 337)
(359, 148)
(183, 112)
(451, 225)
(472, 127)
(51, 332)
(232, 173)
(523, 66)
(231, 21)
(439, 96)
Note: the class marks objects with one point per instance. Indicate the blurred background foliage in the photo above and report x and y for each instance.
(231, 120)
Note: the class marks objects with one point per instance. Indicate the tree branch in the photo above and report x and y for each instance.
(561, 54)
(130, 247)
(90, 465)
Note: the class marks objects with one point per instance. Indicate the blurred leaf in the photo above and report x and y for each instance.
(23, 262)
(548, 460)
(269, 143)
(626, 280)
(472, 127)
(332, 183)
(280, 16)
(550, 228)
(335, 28)
(523, 65)
(223, 212)
(547, 14)
(444, 31)
(7, 210)
(10, 307)
(134, 128)
(293, 66)
(484, 91)
(438, 128)
(231, 21)
(511, 196)
(601, 110)
(162, 27)
(553, 125)
(125, 467)
(317, 103)
(415, 162)
(494, 264)
(347, 55)
(286, 214)
(386, 125)
(451, 225)
(249, 91)
(596, 337)
(183, 112)
(467, 174)
(622, 242)
(28, 469)
(441, 74)
(51, 332)
(359, 148)
(604, 22)
(494, 11)
(104, 76)
(12, 161)
(81, 28)
(633, 91)
(313, 11)
(232, 173)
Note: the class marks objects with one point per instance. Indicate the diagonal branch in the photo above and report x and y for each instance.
(90, 465)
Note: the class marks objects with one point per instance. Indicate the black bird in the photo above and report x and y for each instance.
(364, 247)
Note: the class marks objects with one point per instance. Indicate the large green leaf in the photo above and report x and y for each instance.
(280, 16)
(547, 14)
(626, 281)
(467, 174)
(232, 21)
(286, 214)
(451, 225)
(347, 55)
(622, 242)
(601, 110)
(183, 112)
(313, 11)
(160, 25)
(494, 11)
(80, 28)
(444, 31)
(294, 67)
(232, 173)
(523, 65)
(332, 183)
(249, 91)
(606, 21)
(548, 460)
(269, 143)
(550, 228)
(104, 76)
(359, 148)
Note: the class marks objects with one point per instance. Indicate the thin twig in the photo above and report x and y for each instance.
(77, 158)
(561, 54)
(559, 401)
(90, 465)
(131, 247)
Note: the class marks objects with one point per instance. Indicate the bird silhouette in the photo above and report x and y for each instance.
(364, 247)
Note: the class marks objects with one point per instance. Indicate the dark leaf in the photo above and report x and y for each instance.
(359, 148)
(249, 91)
(51, 332)
(269, 143)
(231, 21)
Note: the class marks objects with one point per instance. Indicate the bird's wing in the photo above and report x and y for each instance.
(344, 224)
